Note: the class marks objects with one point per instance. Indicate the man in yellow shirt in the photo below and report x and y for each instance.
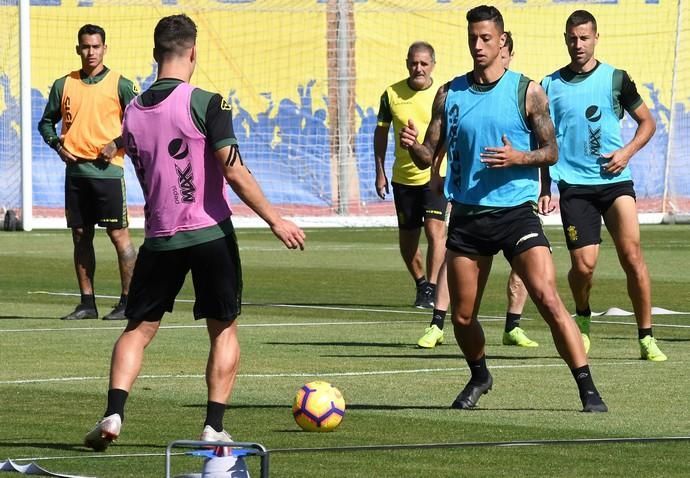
(416, 205)
(90, 103)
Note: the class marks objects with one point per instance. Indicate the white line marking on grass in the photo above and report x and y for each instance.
(302, 324)
(353, 309)
(656, 324)
(333, 247)
(312, 374)
(397, 446)
(486, 318)
(294, 306)
(203, 326)
(94, 455)
(413, 446)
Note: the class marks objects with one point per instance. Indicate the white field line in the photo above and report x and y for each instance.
(313, 374)
(203, 326)
(94, 456)
(397, 446)
(297, 324)
(484, 318)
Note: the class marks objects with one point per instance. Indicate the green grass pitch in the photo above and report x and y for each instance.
(341, 311)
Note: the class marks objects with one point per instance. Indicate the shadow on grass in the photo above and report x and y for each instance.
(69, 446)
(18, 317)
(389, 307)
(347, 344)
(437, 356)
(375, 406)
(595, 339)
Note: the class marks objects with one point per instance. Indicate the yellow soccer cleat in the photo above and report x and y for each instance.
(432, 337)
(586, 343)
(518, 337)
(649, 350)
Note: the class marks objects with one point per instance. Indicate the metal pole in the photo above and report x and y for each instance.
(25, 111)
(672, 119)
(342, 56)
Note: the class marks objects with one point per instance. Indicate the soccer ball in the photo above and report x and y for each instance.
(318, 407)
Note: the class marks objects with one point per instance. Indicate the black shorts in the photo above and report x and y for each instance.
(582, 208)
(414, 204)
(159, 275)
(511, 230)
(90, 201)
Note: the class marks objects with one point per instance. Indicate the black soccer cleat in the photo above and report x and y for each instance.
(471, 394)
(425, 296)
(81, 312)
(118, 312)
(592, 402)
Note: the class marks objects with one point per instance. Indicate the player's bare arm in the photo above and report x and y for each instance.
(544, 204)
(245, 186)
(380, 146)
(539, 119)
(423, 154)
(436, 182)
(646, 126)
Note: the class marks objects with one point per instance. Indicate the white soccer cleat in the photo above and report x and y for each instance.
(106, 430)
(209, 434)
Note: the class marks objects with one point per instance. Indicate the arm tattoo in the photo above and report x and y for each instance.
(233, 156)
(439, 113)
(542, 127)
(435, 132)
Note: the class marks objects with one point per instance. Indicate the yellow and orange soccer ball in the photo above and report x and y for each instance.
(318, 407)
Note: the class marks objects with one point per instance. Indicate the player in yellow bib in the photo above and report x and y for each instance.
(416, 205)
(90, 103)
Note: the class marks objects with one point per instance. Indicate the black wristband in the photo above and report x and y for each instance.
(119, 142)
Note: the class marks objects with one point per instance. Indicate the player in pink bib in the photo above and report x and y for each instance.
(182, 144)
(183, 184)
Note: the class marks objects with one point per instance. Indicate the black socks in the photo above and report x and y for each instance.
(480, 373)
(584, 381)
(584, 313)
(438, 318)
(116, 402)
(642, 333)
(88, 300)
(512, 321)
(214, 415)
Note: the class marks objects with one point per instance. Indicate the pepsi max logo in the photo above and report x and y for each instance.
(593, 113)
(178, 149)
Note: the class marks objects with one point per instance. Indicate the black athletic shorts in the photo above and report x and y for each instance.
(582, 208)
(414, 204)
(216, 274)
(511, 230)
(90, 201)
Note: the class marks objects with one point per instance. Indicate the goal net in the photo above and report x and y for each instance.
(304, 79)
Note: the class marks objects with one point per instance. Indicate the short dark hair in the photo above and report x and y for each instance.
(421, 45)
(509, 42)
(486, 12)
(173, 35)
(580, 17)
(90, 29)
